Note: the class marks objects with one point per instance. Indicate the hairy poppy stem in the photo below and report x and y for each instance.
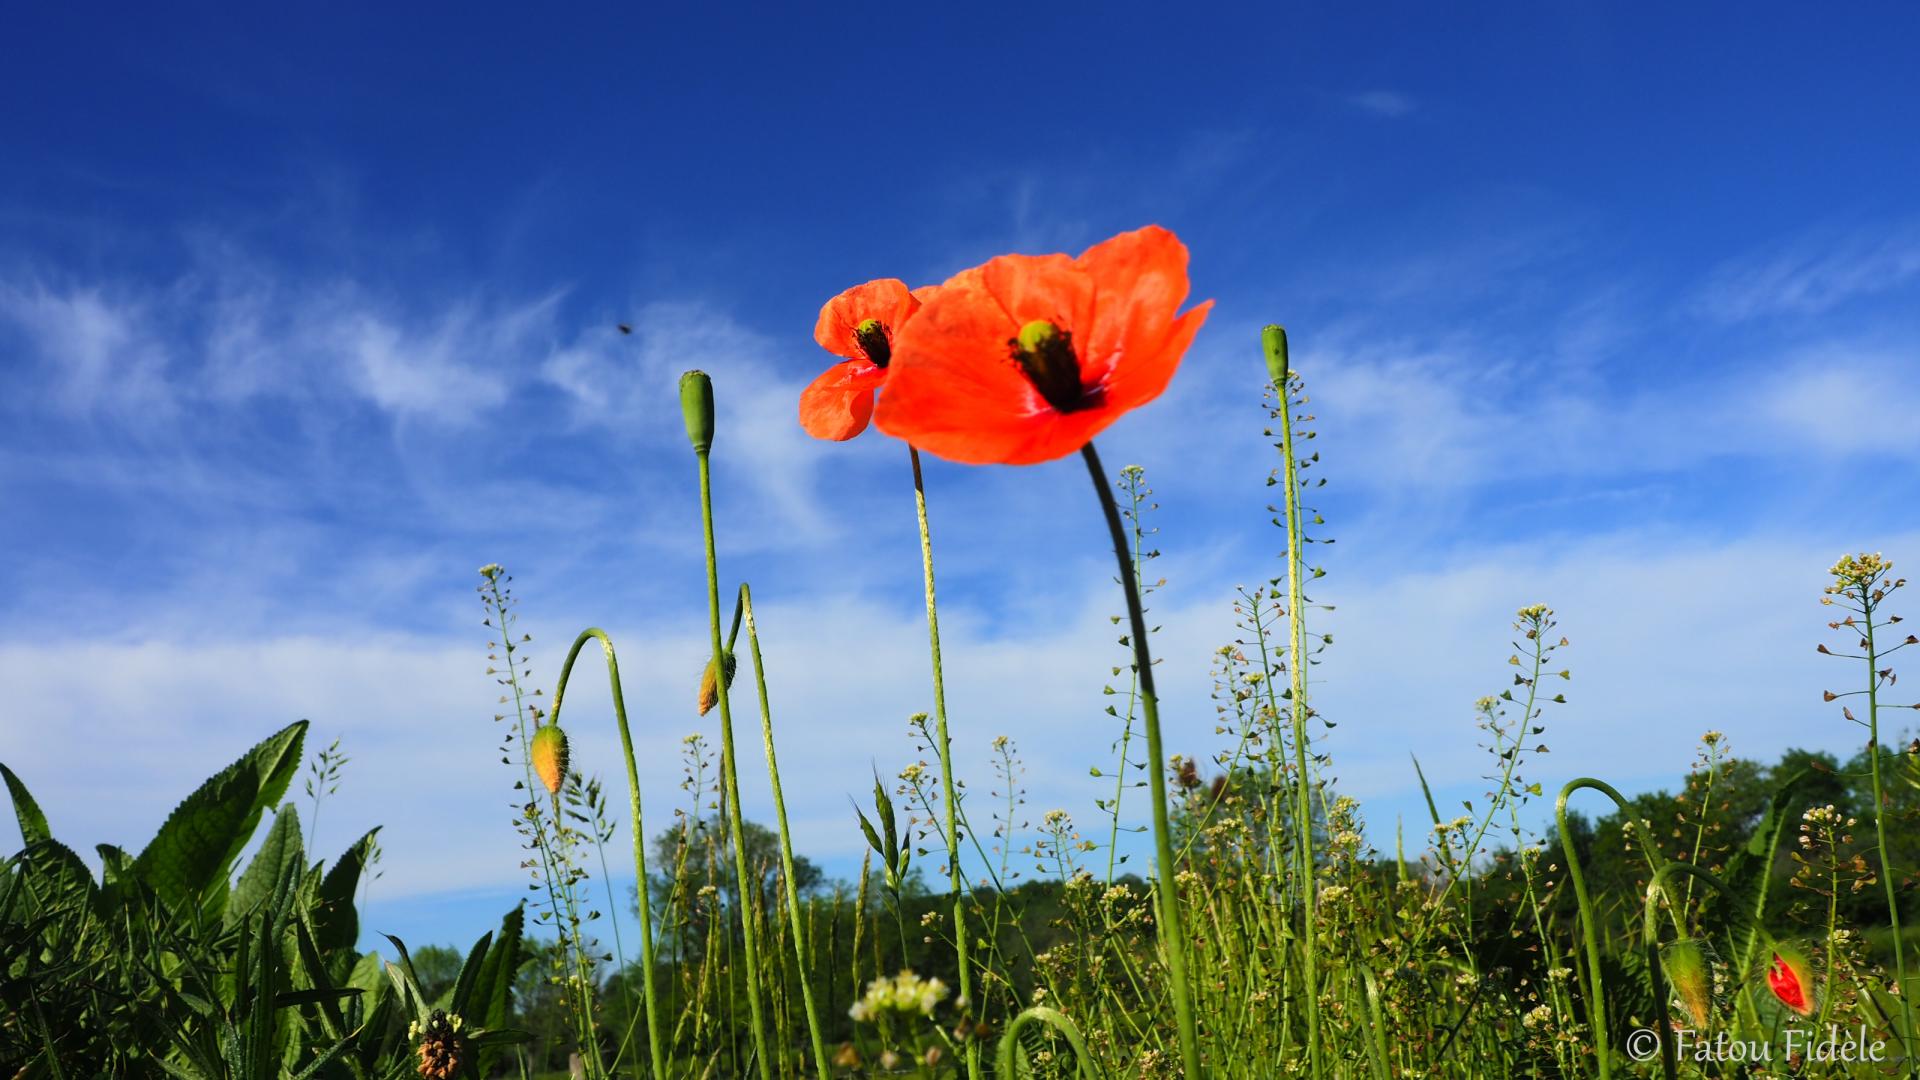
(1273, 340)
(1173, 937)
(696, 400)
(946, 755)
(656, 1035)
(786, 841)
(1589, 928)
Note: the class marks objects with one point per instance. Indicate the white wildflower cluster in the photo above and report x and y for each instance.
(912, 773)
(1538, 1017)
(416, 1029)
(905, 993)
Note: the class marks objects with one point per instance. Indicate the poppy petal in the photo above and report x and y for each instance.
(1031, 287)
(886, 299)
(1142, 378)
(1142, 281)
(838, 404)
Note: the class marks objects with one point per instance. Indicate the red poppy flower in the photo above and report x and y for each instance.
(1028, 357)
(859, 324)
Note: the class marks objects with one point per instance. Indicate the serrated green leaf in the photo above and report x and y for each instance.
(279, 850)
(336, 925)
(33, 823)
(194, 851)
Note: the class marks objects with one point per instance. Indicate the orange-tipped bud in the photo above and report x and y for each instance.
(710, 683)
(549, 751)
(1685, 963)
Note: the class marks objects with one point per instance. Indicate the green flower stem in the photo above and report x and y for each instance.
(656, 1037)
(946, 756)
(1589, 926)
(1650, 941)
(820, 1059)
(730, 779)
(1173, 938)
(1274, 340)
(1040, 1014)
(1868, 602)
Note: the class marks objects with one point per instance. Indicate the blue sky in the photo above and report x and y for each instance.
(303, 317)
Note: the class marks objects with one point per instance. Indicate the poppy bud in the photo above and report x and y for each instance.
(696, 405)
(1685, 963)
(710, 686)
(1790, 977)
(1274, 340)
(549, 750)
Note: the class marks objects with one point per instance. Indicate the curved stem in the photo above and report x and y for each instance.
(820, 1059)
(1173, 938)
(1040, 1014)
(946, 755)
(655, 1036)
(730, 780)
(1589, 926)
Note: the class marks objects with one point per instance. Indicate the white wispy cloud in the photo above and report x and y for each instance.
(1813, 273)
(1387, 103)
(94, 349)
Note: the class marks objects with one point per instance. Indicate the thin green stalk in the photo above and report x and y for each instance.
(820, 1060)
(1589, 925)
(1880, 831)
(655, 1036)
(946, 756)
(696, 402)
(1274, 339)
(1173, 938)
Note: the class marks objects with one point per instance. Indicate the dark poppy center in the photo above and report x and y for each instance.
(1045, 353)
(872, 338)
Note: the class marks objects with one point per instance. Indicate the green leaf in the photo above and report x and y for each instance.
(33, 823)
(195, 849)
(280, 850)
(1749, 874)
(489, 1001)
(469, 971)
(335, 923)
(55, 877)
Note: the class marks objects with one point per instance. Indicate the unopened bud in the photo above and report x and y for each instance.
(549, 751)
(1790, 977)
(1274, 340)
(696, 406)
(1685, 963)
(710, 686)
